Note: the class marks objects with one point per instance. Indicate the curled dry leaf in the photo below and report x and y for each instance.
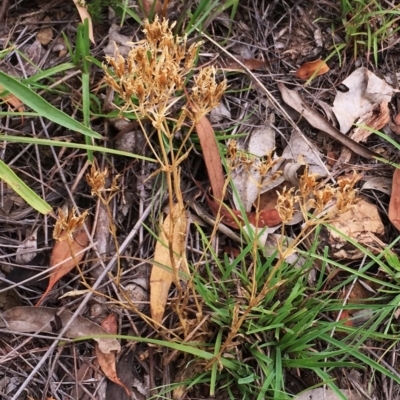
(211, 156)
(166, 266)
(107, 361)
(32, 319)
(366, 90)
(312, 68)
(375, 119)
(294, 100)
(394, 204)
(66, 254)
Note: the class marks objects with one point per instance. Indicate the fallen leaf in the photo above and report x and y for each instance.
(211, 156)
(169, 259)
(107, 361)
(366, 90)
(125, 368)
(115, 38)
(312, 68)
(84, 14)
(246, 176)
(45, 36)
(27, 250)
(219, 113)
(328, 394)
(376, 119)
(32, 319)
(394, 204)
(12, 100)
(66, 254)
(360, 223)
(294, 100)
(234, 219)
(301, 151)
(379, 183)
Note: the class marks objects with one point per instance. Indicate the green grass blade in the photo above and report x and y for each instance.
(9, 176)
(59, 143)
(41, 106)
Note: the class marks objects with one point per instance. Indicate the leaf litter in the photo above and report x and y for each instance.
(268, 198)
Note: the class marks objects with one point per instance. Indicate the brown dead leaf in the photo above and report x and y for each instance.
(312, 68)
(166, 267)
(376, 119)
(83, 13)
(66, 254)
(32, 319)
(12, 100)
(264, 218)
(294, 100)
(155, 5)
(107, 362)
(211, 156)
(45, 36)
(363, 225)
(394, 204)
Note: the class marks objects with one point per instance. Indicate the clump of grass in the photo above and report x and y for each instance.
(370, 26)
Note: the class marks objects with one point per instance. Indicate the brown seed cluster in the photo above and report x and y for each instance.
(154, 75)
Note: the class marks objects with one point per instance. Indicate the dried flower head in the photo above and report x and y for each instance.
(154, 70)
(96, 179)
(322, 197)
(346, 192)
(286, 204)
(67, 225)
(206, 92)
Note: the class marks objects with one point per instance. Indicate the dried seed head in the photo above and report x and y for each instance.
(285, 204)
(206, 93)
(153, 72)
(68, 224)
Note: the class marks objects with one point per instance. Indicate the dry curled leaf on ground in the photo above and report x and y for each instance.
(68, 251)
(211, 156)
(394, 204)
(312, 68)
(45, 319)
(247, 163)
(169, 259)
(294, 100)
(107, 361)
(365, 91)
